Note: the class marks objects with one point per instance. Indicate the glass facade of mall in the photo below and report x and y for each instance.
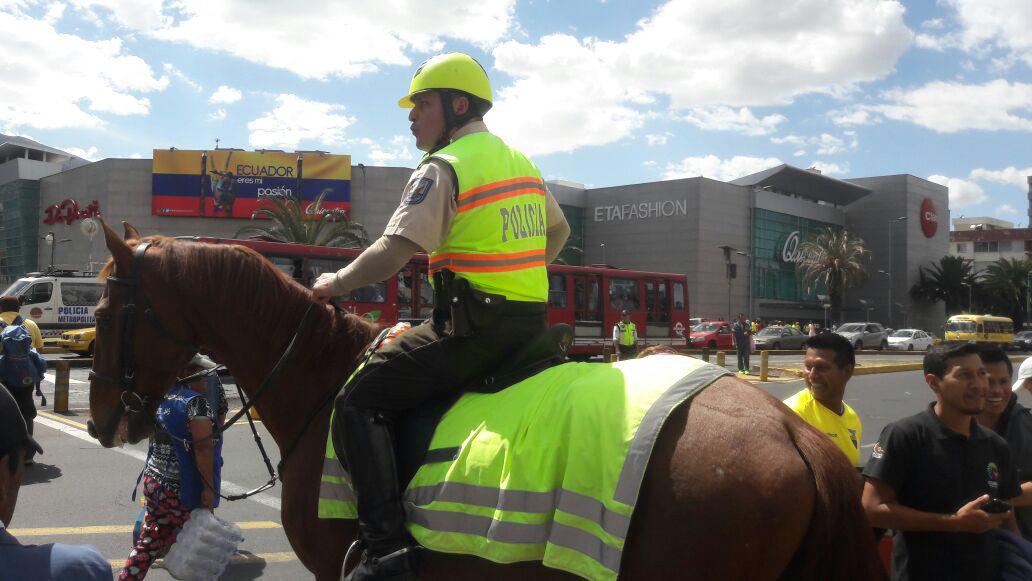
(776, 242)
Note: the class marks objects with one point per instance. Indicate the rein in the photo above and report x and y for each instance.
(132, 402)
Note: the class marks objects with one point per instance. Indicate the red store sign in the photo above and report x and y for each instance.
(68, 211)
(929, 219)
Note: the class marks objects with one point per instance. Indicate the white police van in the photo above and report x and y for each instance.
(58, 301)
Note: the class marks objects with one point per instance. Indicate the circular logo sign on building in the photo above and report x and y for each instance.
(929, 219)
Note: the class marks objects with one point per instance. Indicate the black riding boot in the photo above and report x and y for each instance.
(388, 553)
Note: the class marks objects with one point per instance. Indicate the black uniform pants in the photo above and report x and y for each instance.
(424, 364)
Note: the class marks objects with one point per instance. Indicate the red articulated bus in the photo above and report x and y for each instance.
(588, 298)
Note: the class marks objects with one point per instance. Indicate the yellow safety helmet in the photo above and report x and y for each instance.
(456, 71)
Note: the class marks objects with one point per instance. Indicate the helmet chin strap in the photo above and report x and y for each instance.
(452, 122)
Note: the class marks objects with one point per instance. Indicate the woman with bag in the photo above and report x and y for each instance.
(183, 467)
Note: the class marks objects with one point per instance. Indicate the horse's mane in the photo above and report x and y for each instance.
(232, 274)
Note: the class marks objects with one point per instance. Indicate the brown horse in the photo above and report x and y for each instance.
(737, 487)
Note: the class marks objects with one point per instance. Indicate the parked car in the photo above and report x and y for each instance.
(711, 334)
(864, 335)
(780, 338)
(1023, 341)
(79, 341)
(910, 340)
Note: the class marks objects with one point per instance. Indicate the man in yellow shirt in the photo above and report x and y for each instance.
(829, 363)
(9, 307)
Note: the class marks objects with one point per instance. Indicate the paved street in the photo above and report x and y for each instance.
(80, 493)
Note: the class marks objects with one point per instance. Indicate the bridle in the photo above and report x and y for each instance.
(131, 400)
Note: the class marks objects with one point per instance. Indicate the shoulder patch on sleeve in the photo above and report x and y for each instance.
(417, 190)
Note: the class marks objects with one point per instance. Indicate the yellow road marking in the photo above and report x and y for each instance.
(63, 420)
(111, 529)
(281, 557)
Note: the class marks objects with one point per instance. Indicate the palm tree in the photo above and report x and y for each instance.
(1007, 281)
(833, 258)
(316, 226)
(946, 280)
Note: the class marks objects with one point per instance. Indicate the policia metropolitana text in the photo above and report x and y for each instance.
(482, 212)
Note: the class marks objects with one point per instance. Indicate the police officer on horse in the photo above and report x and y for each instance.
(481, 210)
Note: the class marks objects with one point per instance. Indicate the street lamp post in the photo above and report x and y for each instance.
(968, 285)
(728, 265)
(603, 245)
(889, 275)
(891, 223)
(52, 241)
(748, 267)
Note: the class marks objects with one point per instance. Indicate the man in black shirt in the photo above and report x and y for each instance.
(930, 473)
(1008, 418)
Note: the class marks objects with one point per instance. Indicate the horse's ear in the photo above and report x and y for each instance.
(120, 251)
(131, 233)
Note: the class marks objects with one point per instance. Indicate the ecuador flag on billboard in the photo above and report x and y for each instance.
(228, 183)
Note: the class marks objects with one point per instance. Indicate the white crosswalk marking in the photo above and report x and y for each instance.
(227, 487)
(50, 377)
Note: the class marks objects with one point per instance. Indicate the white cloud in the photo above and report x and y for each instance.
(933, 24)
(52, 80)
(649, 163)
(1007, 209)
(830, 168)
(963, 193)
(933, 42)
(294, 119)
(790, 139)
(87, 154)
(325, 38)
(180, 76)
(135, 155)
(396, 151)
(1008, 175)
(826, 143)
(217, 115)
(713, 167)
(722, 118)
(693, 54)
(855, 116)
(1001, 25)
(947, 107)
(226, 95)
(135, 14)
(592, 111)
(799, 152)
(654, 139)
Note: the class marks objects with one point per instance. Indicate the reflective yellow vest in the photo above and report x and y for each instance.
(626, 333)
(497, 239)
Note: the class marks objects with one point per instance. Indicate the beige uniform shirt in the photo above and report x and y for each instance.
(428, 203)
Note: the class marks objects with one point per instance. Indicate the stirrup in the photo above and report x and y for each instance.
(406, 553)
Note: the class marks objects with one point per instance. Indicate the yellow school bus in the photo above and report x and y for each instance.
(980, 329)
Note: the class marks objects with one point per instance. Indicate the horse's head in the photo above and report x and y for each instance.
(142, 340)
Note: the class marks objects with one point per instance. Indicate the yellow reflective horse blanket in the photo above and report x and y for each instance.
(546, 470)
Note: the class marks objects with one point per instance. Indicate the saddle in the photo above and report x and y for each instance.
(413, 431)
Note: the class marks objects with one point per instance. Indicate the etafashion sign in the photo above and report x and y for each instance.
(227, 183)
(641, 211)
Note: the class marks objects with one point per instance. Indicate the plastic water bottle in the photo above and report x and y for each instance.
(203, 548)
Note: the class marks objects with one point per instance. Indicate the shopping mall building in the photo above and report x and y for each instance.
(677, 226)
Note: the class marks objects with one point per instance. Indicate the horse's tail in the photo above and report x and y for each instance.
(839, 544)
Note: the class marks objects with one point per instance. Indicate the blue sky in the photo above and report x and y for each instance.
(598, 92)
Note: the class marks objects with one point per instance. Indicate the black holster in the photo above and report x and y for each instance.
(462, 311)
